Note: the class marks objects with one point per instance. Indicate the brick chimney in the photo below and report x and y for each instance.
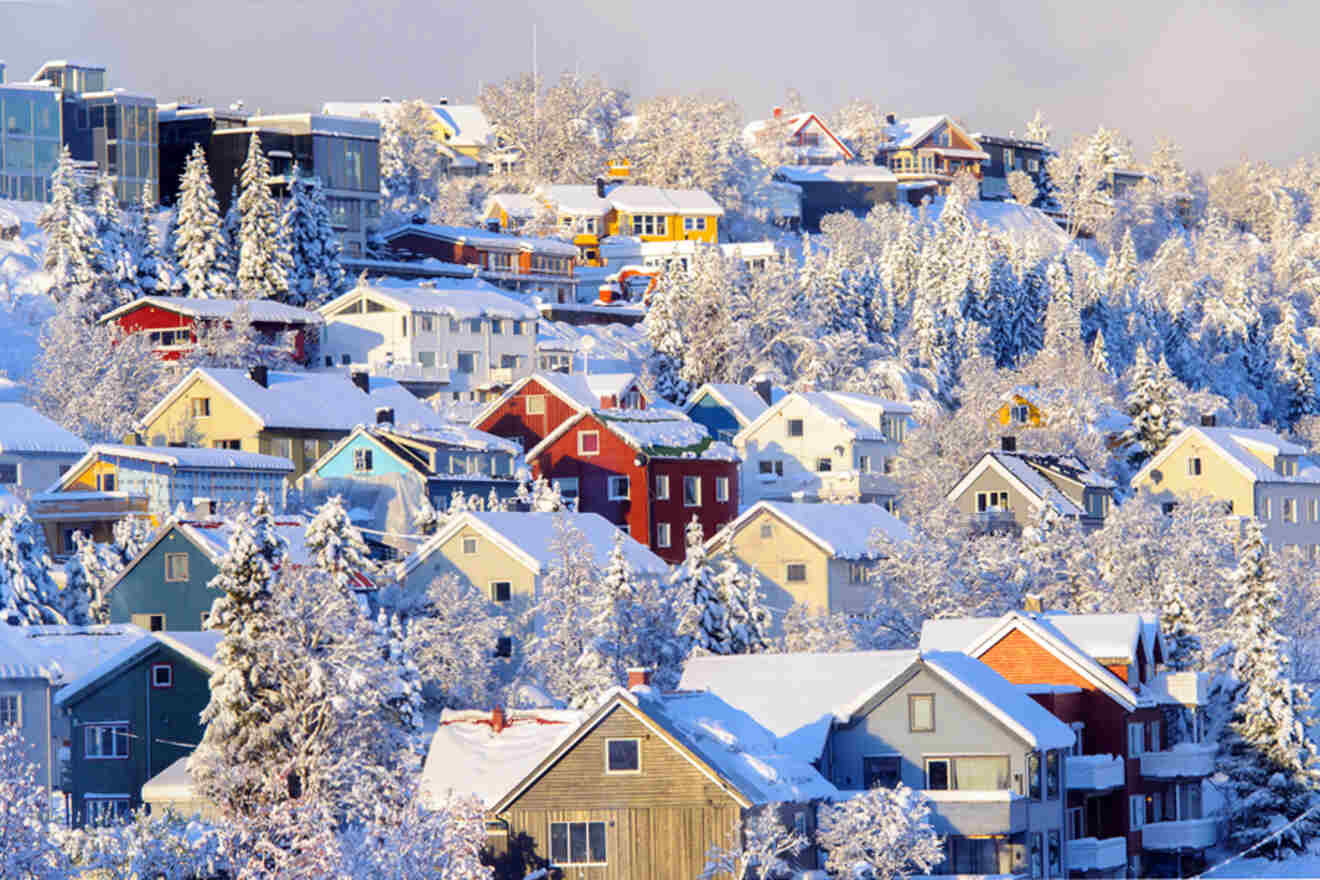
(778, 112)
(638, 676)
(361, 380)
(497, 723)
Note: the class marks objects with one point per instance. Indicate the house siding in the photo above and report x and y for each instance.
(770, 558)
(717, 418)
(511, 420)
(490, 563)
(142, 588)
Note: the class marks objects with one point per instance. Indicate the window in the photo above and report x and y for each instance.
(1052, 775)
(345, 359)
(201, 407)
(162, 675)
(1269, 509)
(661, 487)
(1194, 466)
(309, 452)
(504, 647)
(534, 404)
(649, 224)
(771, 467)
(176, 567)
(102, 810)
(623, 756)
(692, 491)
(105, 482)
(767, 530)
(1033, 775)
(921, 713)
(662, 535)
(577, 843)
(1314, 506)
(469, 546)
(496, 327)
(517, 328)
(800, 823)
(1136, 811)
(362, 461)
(1290, 510)
(795, 427)
(721, 488)
(937, 774)
(1076, 823)
(589, 443)
(226, 444)
(467, 361)
(880, 771)
(617, 488)
(1079, 735)
(1135, 739)
(1153, 735)
(1020, 414)
(795, 572)
(970, 773)
(11, 714)
(105, 741)
(988, 501)
(567, 486)
(474, 325)
(694, 224)
(8, 474)
(858, 573)
(1037, 855)
(150, 622)
(824, 465)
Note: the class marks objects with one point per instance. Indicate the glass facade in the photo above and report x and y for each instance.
(123, 141)
(29, 142)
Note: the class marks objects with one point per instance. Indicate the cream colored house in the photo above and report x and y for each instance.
(821, 555)
(1006, 489)
(822, 443)
(505, 555)
(1253, 471)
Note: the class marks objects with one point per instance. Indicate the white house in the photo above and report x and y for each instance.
(804, 135)
(816, 443)
(463, 336)
(34, 451)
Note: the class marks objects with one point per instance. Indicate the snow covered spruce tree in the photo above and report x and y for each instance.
(1264, 750)
(264, 260)
(706, 620)
(1152, 404)
(815, 632)
(880, 834)
(336, 546)
(749, 621)
(200, 249)
(73, 252)
(89, 571)
(27, 849)
(152, 274)
(28, 593)
(316, 274)
(452, 637)
(413, 161)
(116, 267)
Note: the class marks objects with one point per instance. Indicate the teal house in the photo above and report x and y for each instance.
(131, 717)
(442, 461)
(724, 408)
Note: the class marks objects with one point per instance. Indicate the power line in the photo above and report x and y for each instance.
(1264, 840)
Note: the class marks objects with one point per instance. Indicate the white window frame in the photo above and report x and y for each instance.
(1136, 811)
(863, 464)
(1020, 414)
(631, 739)
(1079, 731)
(722, 489)
(612, 488)
(534, 404)
(767, 531)
(1195, 466)
(1269, 508)
(1290, 510)
(169, 676)
(17, 699)
(663, 535)
(363, 460)
(662, 487)
(696, 496)
(91, 733)
(1136, 747)
(171, 568)
(474, 544)
(583, 435)
(89, 799)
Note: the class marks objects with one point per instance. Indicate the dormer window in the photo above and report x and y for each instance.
(1194, 466)
(1286, 465)
(1020, 414)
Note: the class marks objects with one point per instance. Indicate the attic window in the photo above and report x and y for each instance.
(623, 756)
(1194, 466)
(795, 427)
(921, 713)
(589, 443)
(1020, 414)
(535, 404)
(162, 675)
(469, 546)
(362, 460)
(176, 567)
(501, 591)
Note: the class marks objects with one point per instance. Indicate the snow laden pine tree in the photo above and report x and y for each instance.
(316, 274)
(73, 252)
(200, 250)
(28, 594)
(1264, 750)
(706, 619)
(116, 268)
(151, 271)
(749, 621)
(264, 261)
(1152, 405)
(89, 571)
(880, 834)
(452, 639)
(336, 546)
(28, 851)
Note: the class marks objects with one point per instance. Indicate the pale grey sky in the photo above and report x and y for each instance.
(1221, 81)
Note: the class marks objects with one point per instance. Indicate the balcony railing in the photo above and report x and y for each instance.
(1181, 761)
(502, 375)
(1090, 854)
(1094, 772)
(977, 812)
(1184, 834)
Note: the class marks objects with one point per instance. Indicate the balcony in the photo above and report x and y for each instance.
(410, 372)
(1090, 854)
(1183, 761)
(1094, 772)
(977, 812)
(501, 375)
(1183, 834)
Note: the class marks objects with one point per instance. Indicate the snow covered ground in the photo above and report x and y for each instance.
(1298, 866)
(24, 303)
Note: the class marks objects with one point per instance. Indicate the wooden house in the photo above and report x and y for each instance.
(803, 138)
(590, 214)
(925, 152)
(174, 325)
(726, 408)
(637, 788)
(533, 407)
(34, 450)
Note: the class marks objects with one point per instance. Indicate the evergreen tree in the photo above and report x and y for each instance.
(706, 620)
(73, 253)
(1182, 644)
(1152, 405)
(28, 593)
(89, 571)
(1100, 354)
(152, 273)
(749, 621)
(316, 274)
(264, 261)
(116, 267)
(1264, 749)
(336, 546)
(200, 249)
(1063, 323)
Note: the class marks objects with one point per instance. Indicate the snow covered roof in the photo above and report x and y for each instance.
(1002, 699)
(1100, 414)
(468, 756)
(857, 415)
(1242, 448)
(181, 457)
(315, 400)
(61, 654)
(844, 531)
(653, 200)
(212, 536)
(907, 133)
(258, 309)
(468, 122)
(483, 238)
(664, 433)
(401, 445)
(1034, 475)
(794, 124)
(173, 784)
(744, 402)
(615, 385)
(457, 297)
(1003, 217)
(577, 199)
(953, 153)
(519, 205)
(836, 174)
(199, 647)
(529, 537)
(23, 429)
(572, 389)
(796, 696)
(614, 347)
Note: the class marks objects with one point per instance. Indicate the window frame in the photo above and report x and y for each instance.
(882, 756)
(17, 698)
(568, 843)
(199, 407)
(158, 684)
(612, 483)
(90, 735)
(363, 460)
(475, 545)
(791, 568)
(583, 435)
(722, 489)
(662, 487)
(693, 499)
(663, 535)
(1195, 466)
(171, 568)
(609, 771)
(495, 592)
(913, 700)
(534, 405)
(1137, 729)
(796, 425)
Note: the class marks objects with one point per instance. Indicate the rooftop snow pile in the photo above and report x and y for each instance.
(461, 298)
(61, 654)
(23, 429)
(665, 433)
(257, 309)
(847, 531)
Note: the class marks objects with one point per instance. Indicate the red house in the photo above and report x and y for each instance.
(1134, 780)
(513, 262)
(535, 406)
(647, 469)
(174, 323)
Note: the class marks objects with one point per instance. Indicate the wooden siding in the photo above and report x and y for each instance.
(660, 823)
(1022, 660)
(512, 421)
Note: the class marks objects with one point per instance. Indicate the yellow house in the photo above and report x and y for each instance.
(505, 555)
(1031, 406)
(590, 214)
(1018, 411)
(294, 415)
(820, 555)
(1253, 471)
(930, 150)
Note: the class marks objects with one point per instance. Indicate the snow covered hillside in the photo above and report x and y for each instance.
(24, 303)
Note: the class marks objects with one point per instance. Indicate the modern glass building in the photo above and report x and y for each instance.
(29, 140)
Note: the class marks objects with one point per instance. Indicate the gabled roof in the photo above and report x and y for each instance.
(198, 647)
(398, 444)
(975, 636)
(1031, 475)
(309, 400)
(632, 199)
(456, 297)
(1001, 699)
(908, 133)
(520, 205)
(614, 385)
(573, 198)
(572, 389)
(263, 310)
(725, 745)
(61, 654)
(482, 238)
(658, 432)
(23, 429)
(1235, 446)
(795, 124)
(743, 402)
(178, 457)
(843, 531)
(529, 537)
(835, 174)
(847, 412)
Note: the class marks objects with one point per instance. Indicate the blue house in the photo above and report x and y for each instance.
(725, 408)
(131, 717)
